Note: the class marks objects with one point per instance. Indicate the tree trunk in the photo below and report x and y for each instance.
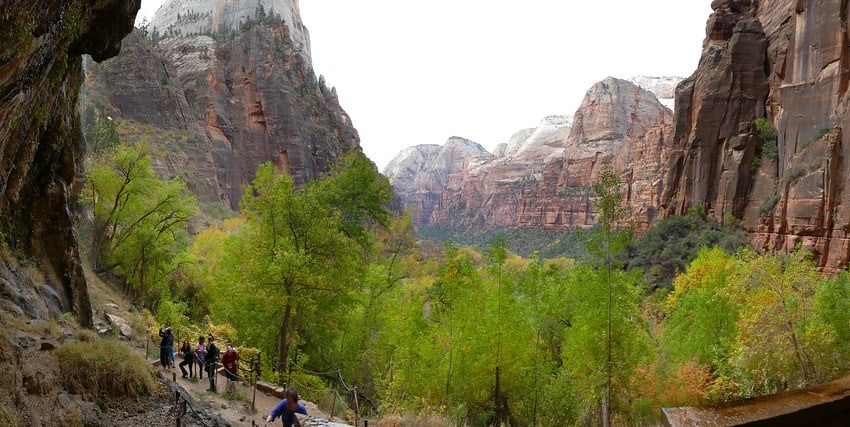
(284, 341)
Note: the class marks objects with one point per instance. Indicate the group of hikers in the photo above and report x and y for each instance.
(205, 353)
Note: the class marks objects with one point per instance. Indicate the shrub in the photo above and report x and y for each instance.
(765, 129)
(793, 175)
(6, 418)
(770, 150)
(105, 369)
(768, 205)
(428, 420)
(755, 164)
(87, 335)
(670, 245)
(820, 134)
(768, 135)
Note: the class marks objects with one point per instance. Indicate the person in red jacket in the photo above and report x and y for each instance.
(230, 360)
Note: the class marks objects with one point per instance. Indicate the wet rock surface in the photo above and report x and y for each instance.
(40, 141)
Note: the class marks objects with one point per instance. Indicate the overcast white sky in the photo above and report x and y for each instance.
(417, 72)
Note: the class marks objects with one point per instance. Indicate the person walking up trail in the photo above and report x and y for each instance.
(200, 352)
(188, 359)
(287, 408)
(209, 359)
(230, 360)
(165, 347)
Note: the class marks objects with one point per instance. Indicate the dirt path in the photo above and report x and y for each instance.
(236, 409)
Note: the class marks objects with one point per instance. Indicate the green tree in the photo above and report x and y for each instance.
(778, 292)
(300, 249)
(757, 323)
(139, 221)
(611, 241)
(701, 319)
(666, 249)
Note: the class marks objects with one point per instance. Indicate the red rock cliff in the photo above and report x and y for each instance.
(543, 177)
(785, 61)
(223, 103)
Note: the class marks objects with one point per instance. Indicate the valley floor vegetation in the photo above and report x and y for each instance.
(340, 296)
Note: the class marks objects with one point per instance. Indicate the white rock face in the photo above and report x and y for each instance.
(613, 111)
(542, 176)
(664, 88)
(201, 16)
(429, 164)
(544, 142)
(193, 54)
(421, 173)
(500, 150)
(412, 161)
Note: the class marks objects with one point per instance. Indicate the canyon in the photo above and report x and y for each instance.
(756, 138)
(543, 176)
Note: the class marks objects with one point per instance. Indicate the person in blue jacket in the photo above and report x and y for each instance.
(287, 408)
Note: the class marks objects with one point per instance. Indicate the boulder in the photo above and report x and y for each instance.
(123, 327)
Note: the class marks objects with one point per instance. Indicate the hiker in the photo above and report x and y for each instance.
(200, 352)
(210, 359)
(188, 359)
(287, 408)
(165, 347)
(230, 360)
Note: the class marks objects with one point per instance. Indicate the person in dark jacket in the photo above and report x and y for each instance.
(287, 408)
(188, 359)
(210, 359)
(165, 347)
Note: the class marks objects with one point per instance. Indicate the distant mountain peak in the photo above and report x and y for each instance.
(187, 17)
(664, 87)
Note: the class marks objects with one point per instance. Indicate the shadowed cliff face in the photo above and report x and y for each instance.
(40, 141)
(786, 61)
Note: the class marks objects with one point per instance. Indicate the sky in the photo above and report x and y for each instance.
(412, 72)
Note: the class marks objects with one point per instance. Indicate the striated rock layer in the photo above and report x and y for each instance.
(785, 61)
(543, 176)
(224, 103)
(41, 43)
(758, 136)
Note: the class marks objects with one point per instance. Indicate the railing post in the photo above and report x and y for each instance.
(254, 379)
(333, 405)
(177, 404)
(356, 407)
(289, 374)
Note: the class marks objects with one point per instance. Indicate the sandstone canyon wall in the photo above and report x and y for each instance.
(768, 67)
(41, 43)
(785, 61)
(220, 104)
(543, 176)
